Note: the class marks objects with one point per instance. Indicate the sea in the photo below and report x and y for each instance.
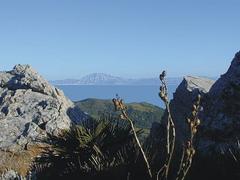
(129, 94)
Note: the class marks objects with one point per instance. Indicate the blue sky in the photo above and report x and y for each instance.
(130, 38)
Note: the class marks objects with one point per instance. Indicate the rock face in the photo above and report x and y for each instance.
(30, 108)
(181, 106)
(182, 101)
(221, 116)
(11, 175)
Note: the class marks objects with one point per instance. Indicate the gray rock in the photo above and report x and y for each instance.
(31, 108)
(221, 116)
(11, 175)
(181, 104)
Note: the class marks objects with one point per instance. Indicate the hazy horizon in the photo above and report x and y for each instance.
(124, 77)
(136, 39)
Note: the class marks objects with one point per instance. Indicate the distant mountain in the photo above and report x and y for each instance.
(101, 79)
(106, 79)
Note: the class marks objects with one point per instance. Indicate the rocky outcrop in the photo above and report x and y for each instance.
(183, 98)
(31, 108)
(221, 116)
(181, 104)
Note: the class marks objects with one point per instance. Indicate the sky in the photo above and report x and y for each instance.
(129, 38)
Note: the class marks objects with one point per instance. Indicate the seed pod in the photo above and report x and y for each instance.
(162, 75)
(194, 107)
(122, 117)
(193, 151)
(188, 120)
(194, 131)
(199, 97)
(191, 125)
(198, 122)
(161, 95)
(165, 99)
(194, 113)
(188, 152)
(188, 144)
(161, 88)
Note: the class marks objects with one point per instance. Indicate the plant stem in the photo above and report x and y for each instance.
(138, 143)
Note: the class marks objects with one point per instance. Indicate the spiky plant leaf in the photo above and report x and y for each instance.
(90, 147)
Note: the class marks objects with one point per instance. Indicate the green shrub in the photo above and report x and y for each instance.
(89, 150)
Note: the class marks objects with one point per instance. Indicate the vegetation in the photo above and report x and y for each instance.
(20, 161)
(119, 105)
(93, 149)
(188, 148)
(143, 114)
(109, 147)
(224, 165)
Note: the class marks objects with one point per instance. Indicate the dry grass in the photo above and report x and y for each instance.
(20, 161)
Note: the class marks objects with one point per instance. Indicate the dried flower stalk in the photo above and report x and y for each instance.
(120, 106)
(171, 133)
(188, 149)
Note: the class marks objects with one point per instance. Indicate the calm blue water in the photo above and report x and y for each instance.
(128, 93)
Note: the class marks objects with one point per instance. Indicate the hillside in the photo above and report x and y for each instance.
(144, 114)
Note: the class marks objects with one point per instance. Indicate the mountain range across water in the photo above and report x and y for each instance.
(107, 79)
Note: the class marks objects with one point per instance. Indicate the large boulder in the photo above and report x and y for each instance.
(181, 105)
(30, 109)
(183, 98)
